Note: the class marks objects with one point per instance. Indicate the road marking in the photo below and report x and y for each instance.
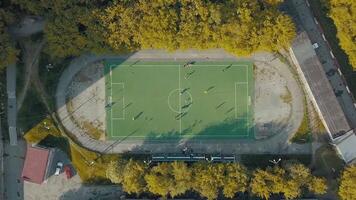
(348, 90)
(338, 69)
(322, 35)
(316, 21)
(332, 55)
(307, 3)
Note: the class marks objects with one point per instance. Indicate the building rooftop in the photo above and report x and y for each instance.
(35, 166)
(328, 106)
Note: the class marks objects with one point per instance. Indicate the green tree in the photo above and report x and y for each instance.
(133, 180)
(347, 188)
(8, 51)
(236, 179)
(74, 32)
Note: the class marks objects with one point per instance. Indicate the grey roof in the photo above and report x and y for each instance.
(335, 119)
(346, 147)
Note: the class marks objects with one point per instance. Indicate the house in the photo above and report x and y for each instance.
(36, 164)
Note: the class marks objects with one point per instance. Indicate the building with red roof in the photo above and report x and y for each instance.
(36, 164)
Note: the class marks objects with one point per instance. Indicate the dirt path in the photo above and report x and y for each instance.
(31, 52)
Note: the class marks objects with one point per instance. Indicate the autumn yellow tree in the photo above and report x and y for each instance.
(236, 179)
(133, 181)
(238, 26)
(343, 13)
(115, 171)
(208, 179)
(303, 178)
(347, 188)
(169, 179)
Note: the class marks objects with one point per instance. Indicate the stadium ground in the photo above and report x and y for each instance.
(169, 100)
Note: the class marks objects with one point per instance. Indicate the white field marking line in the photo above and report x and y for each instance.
(111, 122)
(180, 100)
(123, 102)
(186, 136)
(163, 65)
(247, 130)
(236, 107)
(247, 106)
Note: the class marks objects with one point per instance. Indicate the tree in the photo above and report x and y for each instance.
(303, 178)
(133, 180)
(208, 179)
(347, 188)
(73, 32)
(183, 178)
(274, 2)
(115, 171)
(266, 182)
(238, 26)
(318, 185)
(168, 179)
(236, 179)
(8, 51)
(160, 180)
(343, 14)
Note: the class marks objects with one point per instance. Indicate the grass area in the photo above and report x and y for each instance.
(327, 162)
(50, 77)
(165, 100)
(90, 166)
(287, 97)
(329, 165)
(303, 134)
(320, 11)
(32, 111)
(253, 161)
(41, 130)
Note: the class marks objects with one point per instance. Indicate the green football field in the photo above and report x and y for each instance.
(168, 100)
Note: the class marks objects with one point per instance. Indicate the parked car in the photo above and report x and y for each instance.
(58, 168)
(68, 171)
(315, 45)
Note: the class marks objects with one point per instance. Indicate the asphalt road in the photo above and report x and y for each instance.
(14, 152)
(11, 103)
(329, 64)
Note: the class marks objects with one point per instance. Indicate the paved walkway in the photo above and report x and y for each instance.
(276, 144)
(61, 188)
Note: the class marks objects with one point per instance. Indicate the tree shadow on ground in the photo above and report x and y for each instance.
(95, 192)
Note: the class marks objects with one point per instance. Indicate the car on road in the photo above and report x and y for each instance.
(58, 168)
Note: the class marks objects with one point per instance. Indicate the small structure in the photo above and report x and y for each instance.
(36, 164)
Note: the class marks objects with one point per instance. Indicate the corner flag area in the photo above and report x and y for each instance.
(150, 100)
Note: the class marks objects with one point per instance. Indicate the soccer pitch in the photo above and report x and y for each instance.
(150, 100)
